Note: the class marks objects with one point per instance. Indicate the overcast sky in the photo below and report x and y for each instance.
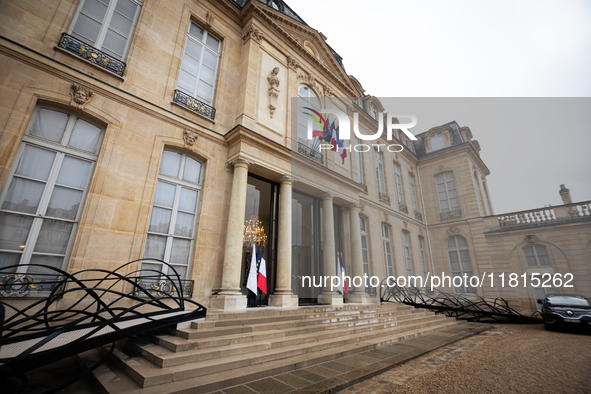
(475, 48)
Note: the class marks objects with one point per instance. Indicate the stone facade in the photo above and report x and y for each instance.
(265, 53)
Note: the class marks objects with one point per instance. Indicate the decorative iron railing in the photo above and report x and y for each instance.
(402, 206)
(91, 54)
(194, 104)
(384, 198)
(451, 214)
(371, 291)
(469, 307)
(158, 286)
(310, 153)
(418, 215)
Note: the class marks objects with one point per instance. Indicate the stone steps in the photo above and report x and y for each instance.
(226, 349)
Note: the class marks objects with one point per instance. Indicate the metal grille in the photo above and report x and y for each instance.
(310, 153)
(194, 104)
(91, 54)
(451, 214)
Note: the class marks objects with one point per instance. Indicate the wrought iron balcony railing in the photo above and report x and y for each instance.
(384, 198)
(371, 291)
(91, 54)
(402, 206)
(418, 215)
(451, 214)
(310, 153)
(157, 286)
(194, 104)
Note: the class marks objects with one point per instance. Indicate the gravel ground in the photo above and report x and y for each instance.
(522, 359)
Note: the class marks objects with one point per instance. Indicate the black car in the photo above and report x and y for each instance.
(560, 310)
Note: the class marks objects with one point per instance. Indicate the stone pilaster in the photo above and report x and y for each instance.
(356, 294)
(283, 296)
(230, 296)
(328, 251)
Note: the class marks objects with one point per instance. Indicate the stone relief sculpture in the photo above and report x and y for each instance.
(80, 96)
(273, 90)
(190, 137)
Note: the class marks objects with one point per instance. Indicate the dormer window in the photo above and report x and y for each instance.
(374, 112)
(274, 5)
(437, 141)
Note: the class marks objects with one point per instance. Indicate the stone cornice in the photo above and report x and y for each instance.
(270, 19)
(241, 134)
(465, 148)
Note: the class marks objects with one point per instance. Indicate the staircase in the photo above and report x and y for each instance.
(226, 349)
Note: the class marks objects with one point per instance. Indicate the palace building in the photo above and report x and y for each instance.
(176, 130)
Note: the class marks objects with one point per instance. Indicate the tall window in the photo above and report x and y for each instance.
(423, 259)
(380, 173)
(387, 250)
(398, 179)
(536, 255)
(437, 141)
(307, 98)
(359, 162)
(448, 196)
(459, 260)
(413, 192)
(364, 246)
(200, 64)
(44, 194)
(107, 24)
(407, 257)
(172, 222)
(374, 112)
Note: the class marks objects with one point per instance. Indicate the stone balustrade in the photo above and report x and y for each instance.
(545, 215)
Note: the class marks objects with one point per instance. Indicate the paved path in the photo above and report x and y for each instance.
(507, 359)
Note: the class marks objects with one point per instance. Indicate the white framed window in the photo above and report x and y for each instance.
(107, 25)
(437, 141)
(364, 246)
(42, 200)
(387, 250)
(359, 161)
(307, 98)
(413, 192)
(407, 255)
(379, 161)
(423, 259)
(459, 261)
(398, 179)
(446, 190)
(374, 112)
(536, 255)
(200, 62)
(174, 213)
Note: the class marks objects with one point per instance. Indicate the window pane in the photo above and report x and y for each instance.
(64, 203)
(213, 42)
(193, 49)
(14, 230)
(54, 236)
(205, 92)
(127, 8)
(188, 200)
(210, 60)
(196, 31)
(95, 9)
(192, 170)
(74, 172)
(155, 246)
(86, 29)
(35, 163)
(8, 259)
(180, 251)
(50, 125)
(159, 221)
(149, 268)
(164, 194)
(121, 24)
(171, 162)
(184, 224)
(207, 75)
(180, 270)
(115, 43)
(53, 261)
(85, 136)
(190, 65)
(23, 195)
(187, 82)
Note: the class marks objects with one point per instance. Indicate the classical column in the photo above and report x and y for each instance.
(230, 296)
(328, 295)
(282, 295)
(358, 293)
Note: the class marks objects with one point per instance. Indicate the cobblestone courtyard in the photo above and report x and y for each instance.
(507, 359)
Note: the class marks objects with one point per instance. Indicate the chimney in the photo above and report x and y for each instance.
(565, 194)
